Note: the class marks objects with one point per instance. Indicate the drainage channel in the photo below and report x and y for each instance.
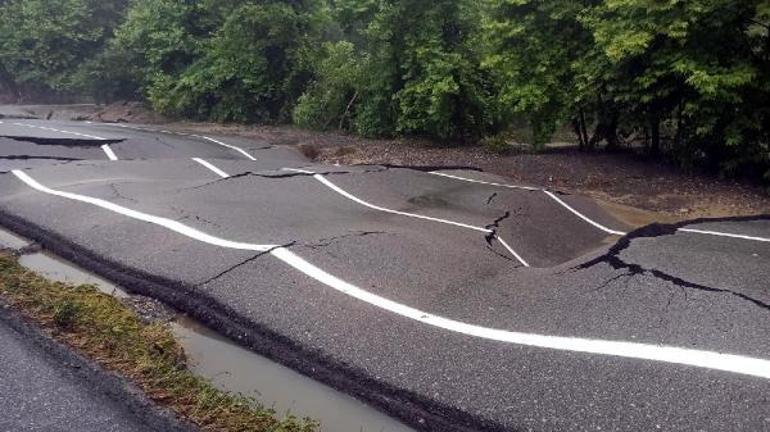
(228, 366)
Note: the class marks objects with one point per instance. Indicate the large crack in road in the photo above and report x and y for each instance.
(612, 257)
(428, 405)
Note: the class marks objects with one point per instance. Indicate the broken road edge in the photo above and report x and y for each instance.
(417, 411)
(140, 366)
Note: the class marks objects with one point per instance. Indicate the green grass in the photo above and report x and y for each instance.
(102, 328)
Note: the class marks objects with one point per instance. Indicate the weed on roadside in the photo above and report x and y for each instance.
(105, 330)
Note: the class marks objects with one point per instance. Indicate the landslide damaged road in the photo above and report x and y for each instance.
(449, 299)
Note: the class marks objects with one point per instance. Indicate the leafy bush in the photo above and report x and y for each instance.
(331, 98)
(687, 80)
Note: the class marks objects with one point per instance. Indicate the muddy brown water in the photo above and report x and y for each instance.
(54, 268)
(230, 367)
(238, 370)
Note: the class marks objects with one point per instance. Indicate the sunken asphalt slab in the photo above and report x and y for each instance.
(657, 286)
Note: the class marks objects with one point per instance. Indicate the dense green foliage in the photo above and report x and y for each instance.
(43, 44)
(685, 79)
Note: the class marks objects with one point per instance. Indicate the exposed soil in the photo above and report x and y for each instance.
(623, 180)
(119, 112)
(633, 188)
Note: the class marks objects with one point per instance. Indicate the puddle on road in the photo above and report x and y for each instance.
(230, 367)
(57, 269)
(11, 241)
(241, 371)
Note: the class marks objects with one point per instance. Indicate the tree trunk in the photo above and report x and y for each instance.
(579, 126)
(655, 135)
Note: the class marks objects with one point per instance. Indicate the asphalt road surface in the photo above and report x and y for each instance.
(45, 388)
(448, 298)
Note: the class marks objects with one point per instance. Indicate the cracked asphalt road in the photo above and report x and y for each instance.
(401, 294)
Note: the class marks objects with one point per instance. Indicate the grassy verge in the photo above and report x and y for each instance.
(102, 328)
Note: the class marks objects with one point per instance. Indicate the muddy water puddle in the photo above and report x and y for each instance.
(57, 269)
(238, 370)
(230, 367)
(11, 241)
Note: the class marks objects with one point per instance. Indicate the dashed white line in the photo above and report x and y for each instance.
(232, 147)
(168, 132)
(212, 167)
(724, 234)
(61, 131)
(110, 154)
(684, 356)
(353, 198)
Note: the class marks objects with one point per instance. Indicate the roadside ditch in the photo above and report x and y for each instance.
(280, 391)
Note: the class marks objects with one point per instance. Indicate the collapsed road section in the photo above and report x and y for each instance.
(420, 318)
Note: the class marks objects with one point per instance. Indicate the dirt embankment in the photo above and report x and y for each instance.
(120, 112)
(634, 188)
(630, 185)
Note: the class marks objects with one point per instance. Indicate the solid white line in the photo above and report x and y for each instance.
(144, 217)
(684, 356)
(724, 234)
(61, 131)
(582, 216)
(437, 173)
(232, 147)
(554, 197)
(213, 168)
(347, 195)
(513, 252)
(353, 198)
(110, 154)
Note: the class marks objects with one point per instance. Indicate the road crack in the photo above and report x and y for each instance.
(275, 175)
(244, 262)
(491, 198)
(120, 195)
(324, 242)
(612, 258)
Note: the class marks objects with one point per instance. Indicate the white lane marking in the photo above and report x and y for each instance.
(550, 194)
(584, 217)
(347, 195)
(61, 131)
(144, 217)
(437, 173)
(232, 147)
(724, 234)
(659, 353)
(684, 356)
(168, 132)
(513, 252)
(594, 223)
(213, 168)
(353, 198)
(110, 154)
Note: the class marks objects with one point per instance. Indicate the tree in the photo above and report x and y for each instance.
(44, 43)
